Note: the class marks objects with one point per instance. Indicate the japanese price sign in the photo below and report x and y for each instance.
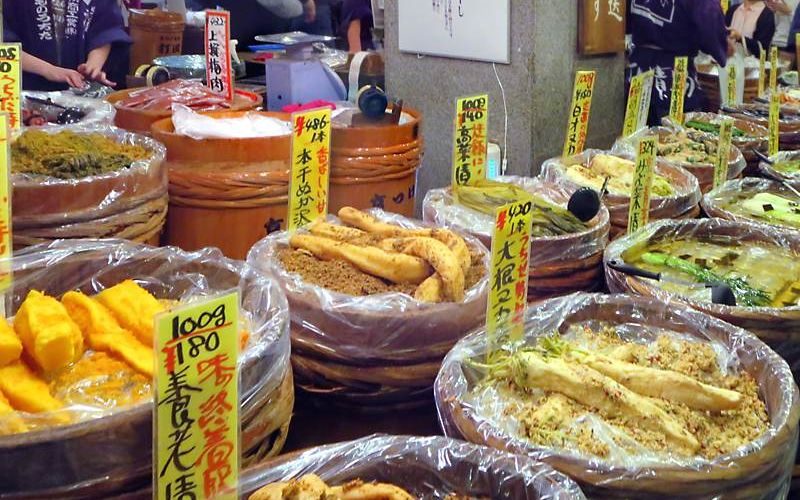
(5, 205)
(11, 83)
(679, 75)
(638, 105)
(219, 71)
(774, 123)
(470, 140)
(579, 111)
(732, 90)
(508, 296)
(639, 211)
(725, 4)
(311, 157)
(197, 394)
(762, 71)
(723, 152)
(773, 69)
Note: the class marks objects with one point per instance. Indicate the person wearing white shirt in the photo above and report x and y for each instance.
(784, 11)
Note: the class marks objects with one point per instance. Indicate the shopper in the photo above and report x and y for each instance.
(783, 11)
(356, 25)
(752, 23)
(320, 22)
(662, 30)
(68, 42)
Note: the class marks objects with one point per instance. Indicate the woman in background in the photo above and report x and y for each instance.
(752, 23)
(356, 25)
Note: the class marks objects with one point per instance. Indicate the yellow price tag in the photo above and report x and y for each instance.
(197, 395)
(508, 296)
(679, 75)
(762, 72)
(311, 159)
(580, 109)
(639, 210)
(723, 152)
(774, 124)
(638, 105)
(773, 69)
(6, 245)
(470, 140)
(732, 93)
(11, 83)
(725, 4)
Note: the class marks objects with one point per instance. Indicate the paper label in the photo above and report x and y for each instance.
(6, 244)
(197, 394)
(311, 159)
(579, 111)
(774, 124)
(639, 210)
(679, 75)
(11, 84)
(732, 87)
(638, 105)
(723, 152)
(219, 68)
(762, 72)
(773, 69)
(470, 139)
(508, 296)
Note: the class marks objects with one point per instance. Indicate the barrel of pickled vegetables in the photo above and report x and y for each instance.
(758, 113)
(374, 164)
(155, 33)
(225, 192)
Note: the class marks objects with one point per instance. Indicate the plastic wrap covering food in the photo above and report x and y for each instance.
(613, 464)
(41, 200)
(755, 200)
(702, 169)
(784, 166)
(66, 109)
(105, 450)
(681, 202)
(758, 113)
(390, 326)
(778, 326)
(429, 467)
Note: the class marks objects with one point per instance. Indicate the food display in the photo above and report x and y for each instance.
(630, 397)
(755, 200)
(758, 113)
(783, 167)
(43, 109)
(615, 174)
(403, 467)
(789, 97)
(370, 290)
(76, 361)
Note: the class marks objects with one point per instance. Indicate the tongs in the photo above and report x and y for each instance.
(721, 293)
(67, 115)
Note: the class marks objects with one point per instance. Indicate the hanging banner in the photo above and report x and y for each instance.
(11, 84)
(774, 124)
(197, 394)
(679, 75)
(219, 68)
(639, 210)
(6, 245)
(470, 140)
(311, 159)
(580, 109)
(723, 152)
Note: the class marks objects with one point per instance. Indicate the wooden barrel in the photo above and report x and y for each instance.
(757, 137)
(225, 193)
(718, 202)
(708, 79)
(758, 113)
(374, 165)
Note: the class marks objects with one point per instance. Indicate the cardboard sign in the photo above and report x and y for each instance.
(219, 68)
(311, 159)
(6, 245)
(679, 75)
(762, 72)
(774, 124)
(773, 69)
(639, 210)
(508, 296)
(732, 90)
(470, 140)
(11, 83)
(579, 110)
(197, 395)
(723, 152)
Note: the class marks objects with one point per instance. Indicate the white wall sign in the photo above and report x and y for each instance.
(463, 29)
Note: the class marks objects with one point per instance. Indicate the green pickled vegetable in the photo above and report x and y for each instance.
(712, 128)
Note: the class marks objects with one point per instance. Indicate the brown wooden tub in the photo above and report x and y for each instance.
(732, 191)
(758, 113)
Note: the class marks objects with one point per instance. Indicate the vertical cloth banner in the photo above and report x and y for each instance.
(639, 210)
(579, 112)
(723, 152)
(311, 158)
(6, 244)
(470, 139)
(197, 395)
(219, 68)
(679, 75)
(11, 83)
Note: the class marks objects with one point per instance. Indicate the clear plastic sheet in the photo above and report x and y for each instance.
(718, 202)
(440, 208)
(427, 467)
(759, 470)
(98, 112)
(392, 326)
(41, 201)
(767, 169)
(112, 448)
(686, 197)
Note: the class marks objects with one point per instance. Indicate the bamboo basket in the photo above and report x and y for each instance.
(99, 457)
(760, 470)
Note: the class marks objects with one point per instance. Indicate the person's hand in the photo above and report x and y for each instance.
(733, 34)
(310, 11)
(731, 47)
(63, 75)
(95, 74)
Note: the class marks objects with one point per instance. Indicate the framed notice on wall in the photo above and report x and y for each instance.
(601, 26)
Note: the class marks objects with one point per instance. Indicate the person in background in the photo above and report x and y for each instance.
(784, 11)
(251, 18)
(662, 30)
(356, 25)
(317, 22)
(751, 23)
(794, 29)
(67, 42)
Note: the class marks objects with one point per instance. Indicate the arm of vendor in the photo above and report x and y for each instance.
(67, 42)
